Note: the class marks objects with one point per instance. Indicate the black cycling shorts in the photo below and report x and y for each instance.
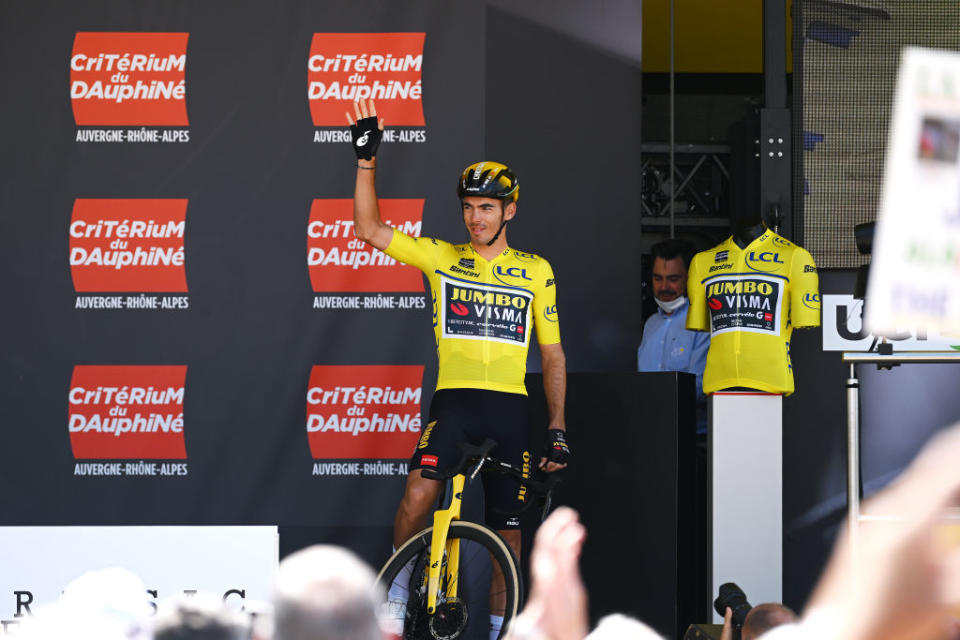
(472, 415)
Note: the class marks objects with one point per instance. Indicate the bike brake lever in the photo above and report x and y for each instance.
(476, 469)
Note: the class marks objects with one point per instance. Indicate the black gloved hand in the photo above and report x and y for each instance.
(555, 448)
(366, 135)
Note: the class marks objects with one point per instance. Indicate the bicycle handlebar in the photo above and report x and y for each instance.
(474, 457)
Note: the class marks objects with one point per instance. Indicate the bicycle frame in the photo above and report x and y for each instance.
(439, 543)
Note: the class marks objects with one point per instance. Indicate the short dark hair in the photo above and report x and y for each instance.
(670, 249)
(764, 617)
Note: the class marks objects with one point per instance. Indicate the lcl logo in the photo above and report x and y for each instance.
(843, 330)
(511, 272)
(764, 256)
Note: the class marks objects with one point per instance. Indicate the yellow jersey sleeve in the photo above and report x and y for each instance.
(698, 316)
(804, 290)
(421, 253)
(545, 318)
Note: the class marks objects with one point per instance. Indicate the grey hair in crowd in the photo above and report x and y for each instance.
(325, 593)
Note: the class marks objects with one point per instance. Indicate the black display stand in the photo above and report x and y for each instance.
(632, 479)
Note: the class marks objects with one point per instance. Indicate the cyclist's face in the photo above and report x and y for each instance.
(482, 216)
(669, 279)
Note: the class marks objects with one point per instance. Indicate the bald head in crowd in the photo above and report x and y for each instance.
(764, 617)
(325, 593)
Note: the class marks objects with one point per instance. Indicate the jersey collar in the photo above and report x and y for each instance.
(502, 254)
(730, 243)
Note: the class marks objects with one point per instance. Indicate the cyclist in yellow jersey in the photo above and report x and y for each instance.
(487, 297)
(751, 299)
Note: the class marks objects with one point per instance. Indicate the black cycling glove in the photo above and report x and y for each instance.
(366, 137)
(555, 447)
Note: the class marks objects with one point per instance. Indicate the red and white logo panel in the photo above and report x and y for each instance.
(386, 67)
(339, 262)
(129, 79)
(128, 245)
(364, 411)
(127, 412)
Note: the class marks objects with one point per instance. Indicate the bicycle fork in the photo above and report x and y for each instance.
(440, 545)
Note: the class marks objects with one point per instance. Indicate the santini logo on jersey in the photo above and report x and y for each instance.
(464, 272)
(721, 256)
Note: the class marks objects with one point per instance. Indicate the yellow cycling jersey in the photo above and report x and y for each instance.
(483, 311)
(750, 300)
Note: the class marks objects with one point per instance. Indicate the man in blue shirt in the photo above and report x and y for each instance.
(666, 344)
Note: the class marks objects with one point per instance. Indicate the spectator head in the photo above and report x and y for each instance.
(671, 260)
(106, 604)
(325, 593)
(620, 627)
(764, 617)
(199, 618)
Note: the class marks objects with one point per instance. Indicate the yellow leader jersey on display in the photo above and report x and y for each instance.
(750, 300)
(483, 311)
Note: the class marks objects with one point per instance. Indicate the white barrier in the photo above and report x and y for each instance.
(238, 564)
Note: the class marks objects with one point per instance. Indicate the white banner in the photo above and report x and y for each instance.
(843, 330)
(915, 271)
(237, 564)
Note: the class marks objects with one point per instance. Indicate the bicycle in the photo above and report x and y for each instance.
(437, 607)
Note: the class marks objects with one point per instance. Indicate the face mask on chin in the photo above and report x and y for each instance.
(671, 306)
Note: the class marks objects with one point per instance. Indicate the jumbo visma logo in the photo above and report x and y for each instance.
(744, 304)
(728, 287)
(488, 298)
(485, 313)
(764, 261)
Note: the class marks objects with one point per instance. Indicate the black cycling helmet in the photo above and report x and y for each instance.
(488, 180)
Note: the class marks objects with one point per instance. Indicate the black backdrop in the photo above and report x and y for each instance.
(545, 95)
(546, 100)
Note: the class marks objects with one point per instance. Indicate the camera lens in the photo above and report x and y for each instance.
(733, 597)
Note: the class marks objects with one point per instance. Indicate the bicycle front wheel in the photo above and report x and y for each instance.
(483, 556)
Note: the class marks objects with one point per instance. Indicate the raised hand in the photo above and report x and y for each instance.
(366, 131)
